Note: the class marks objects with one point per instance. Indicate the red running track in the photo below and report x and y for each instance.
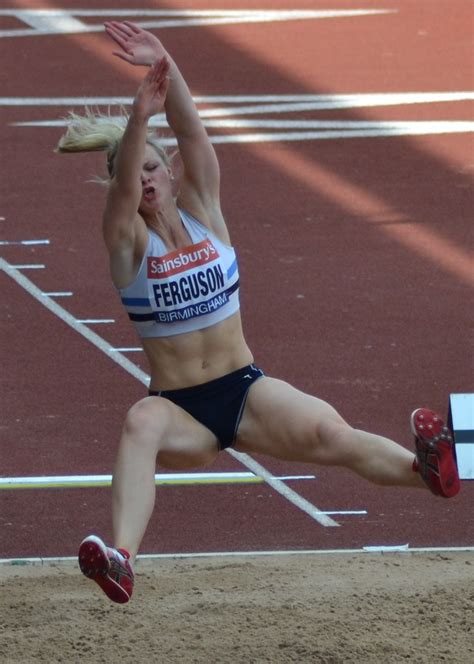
(354, 262)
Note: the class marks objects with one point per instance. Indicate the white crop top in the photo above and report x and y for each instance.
(186, 289)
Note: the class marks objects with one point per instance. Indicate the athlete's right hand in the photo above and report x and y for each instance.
(138, 46)
(151, 94)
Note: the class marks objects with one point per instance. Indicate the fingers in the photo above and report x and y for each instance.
(133, 27)
(152, 92)
(156, 82)
(163, 86)
(116, 34)
(124, 29)
(159, 70)
(123, 56)
(119, 28)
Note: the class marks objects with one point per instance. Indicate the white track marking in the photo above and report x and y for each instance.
(65, 560)
(331, 135)
(304, 505)
(49, 22)
(233, 13)
(306, 101)
(87, 481)
(62, 21)
(73, 481)
(59, 294)
(89, 321)
(29, 266)
(332, 128)
(229, 116)
(135, 371)
(4, 243)
(65, 316)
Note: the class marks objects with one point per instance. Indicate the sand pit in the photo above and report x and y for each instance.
(370, 608)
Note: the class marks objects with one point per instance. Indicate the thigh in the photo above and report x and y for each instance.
(282, 422)
(181, 441)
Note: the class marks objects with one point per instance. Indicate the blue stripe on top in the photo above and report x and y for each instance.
(136, 301)
(232, 269)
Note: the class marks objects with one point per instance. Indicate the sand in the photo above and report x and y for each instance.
(344, 607)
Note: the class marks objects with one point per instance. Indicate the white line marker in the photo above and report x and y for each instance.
(58, 294)
(87, 481)
(35, 266)
(326, 128)
(294, 129)
(332, 135)
(127, 350)
(293, 497)
(237, 13)
(135, 371)
(50, 22)
(91, 321)
(74, 481)
(386, 549)
(65, 560)
(61, 21)
(298, 102)
(346, 512)
(68, 318)
(23, 242)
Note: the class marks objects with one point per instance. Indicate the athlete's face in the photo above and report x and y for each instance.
(155, 180)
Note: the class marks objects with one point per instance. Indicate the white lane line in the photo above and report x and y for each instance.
(93, 321)
(31, 266)
(378, 130)
(346, 512)
(58, 294)
(65, 316)
(268, 103)
(127, 350)
(50, 22)
(293, 497)
(397, 127)
(65, 560)
(58, 21)
(23, 242)
(332, 135)
(233, 13)
(87, 481)
(135, 371)
(432, 126)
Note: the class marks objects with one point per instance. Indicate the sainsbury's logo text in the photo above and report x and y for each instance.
(181, 260)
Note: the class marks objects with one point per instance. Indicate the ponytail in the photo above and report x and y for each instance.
(98, 132)
(93, 132)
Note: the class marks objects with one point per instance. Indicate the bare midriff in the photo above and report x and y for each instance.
(197, 357)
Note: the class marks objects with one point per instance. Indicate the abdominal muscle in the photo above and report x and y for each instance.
(197, 357)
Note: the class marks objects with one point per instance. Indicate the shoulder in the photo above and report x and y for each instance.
(209, 215)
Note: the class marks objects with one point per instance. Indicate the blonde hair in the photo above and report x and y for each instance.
(100, 132)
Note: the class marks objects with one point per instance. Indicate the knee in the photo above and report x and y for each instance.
(146, 420)
(332, 435)
(330, 428)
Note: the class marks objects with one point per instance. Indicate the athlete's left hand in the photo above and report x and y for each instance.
(151, 94)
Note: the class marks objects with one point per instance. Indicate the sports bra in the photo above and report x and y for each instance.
(186, 289)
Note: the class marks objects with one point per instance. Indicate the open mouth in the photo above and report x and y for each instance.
(148, 193)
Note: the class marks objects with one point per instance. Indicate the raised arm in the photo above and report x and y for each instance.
(123, 228)
(201, 169)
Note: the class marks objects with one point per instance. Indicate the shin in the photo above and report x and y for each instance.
(133, 487)
(373, 457)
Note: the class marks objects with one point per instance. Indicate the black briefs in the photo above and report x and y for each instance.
(218, 404)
